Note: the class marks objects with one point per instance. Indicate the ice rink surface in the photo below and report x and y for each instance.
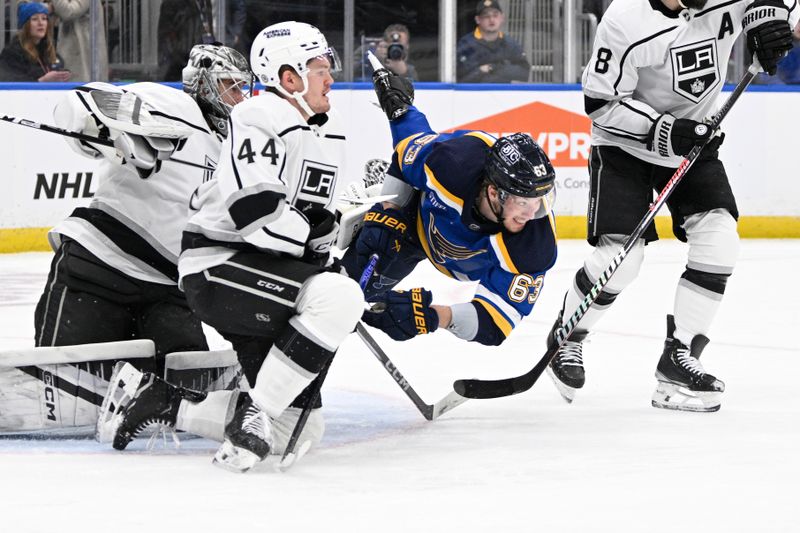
(607, 463)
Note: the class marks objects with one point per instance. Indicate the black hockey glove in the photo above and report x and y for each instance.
(769, 36)
(383, 233)
(672, 136)
(395, 93)
(404, 314)
(322, 236)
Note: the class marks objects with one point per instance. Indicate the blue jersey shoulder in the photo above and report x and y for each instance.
(534, 248)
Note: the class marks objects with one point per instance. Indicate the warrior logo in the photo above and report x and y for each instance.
(442, 249)
(694, 69)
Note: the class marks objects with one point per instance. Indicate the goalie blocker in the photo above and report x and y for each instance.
(58, 390)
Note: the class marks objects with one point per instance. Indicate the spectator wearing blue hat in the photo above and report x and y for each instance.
(31, 54)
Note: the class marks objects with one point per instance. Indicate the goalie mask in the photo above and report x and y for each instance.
(517, 166)
(218, 78)
(291, 44)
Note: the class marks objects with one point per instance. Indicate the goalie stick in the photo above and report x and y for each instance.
(430, 412)
(83, 137)
(485, 389)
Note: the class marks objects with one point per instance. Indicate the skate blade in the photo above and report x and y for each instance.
(123, 384)
(286, 462)
(234, 459)
(566, 392)
(676, 398)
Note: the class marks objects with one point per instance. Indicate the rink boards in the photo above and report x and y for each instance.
(44, 180)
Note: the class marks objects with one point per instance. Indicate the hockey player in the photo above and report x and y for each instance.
(254, 260)
(478, 208)
(657, 69)
(114, 275)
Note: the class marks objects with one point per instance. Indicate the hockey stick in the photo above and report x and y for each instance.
(289, 457)
(484, 389)
(83, 137)
(430, 412)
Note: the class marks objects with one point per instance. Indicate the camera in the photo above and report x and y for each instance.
(396, 50)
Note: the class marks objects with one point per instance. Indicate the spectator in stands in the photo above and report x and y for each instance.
(392, 50)
(74, 38)
(181, 25)
(487, 55)
(31, 53)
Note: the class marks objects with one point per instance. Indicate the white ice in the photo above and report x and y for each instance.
(608, 462)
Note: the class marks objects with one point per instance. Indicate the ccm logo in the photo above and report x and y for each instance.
(49, 395)
(269, 285)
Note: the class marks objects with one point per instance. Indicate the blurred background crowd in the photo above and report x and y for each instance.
(466, 41)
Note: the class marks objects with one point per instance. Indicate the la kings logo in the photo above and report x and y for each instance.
(694, 69)
(317, 183)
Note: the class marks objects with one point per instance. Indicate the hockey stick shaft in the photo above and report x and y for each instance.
(430, 412)
(485, 389)
(83, 137)
(304, 414)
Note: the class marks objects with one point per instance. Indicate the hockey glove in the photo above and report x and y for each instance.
(672, 136)
(383, 233)
(395, 93)
(404, 314)
(144, 153)
(769, 36)
(322, 236)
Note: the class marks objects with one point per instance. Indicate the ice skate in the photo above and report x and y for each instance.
(248, 438)
(683, 384)
(136, 400)
(566, 368)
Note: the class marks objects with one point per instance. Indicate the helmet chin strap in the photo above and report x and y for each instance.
(680, 3)
(299, 96)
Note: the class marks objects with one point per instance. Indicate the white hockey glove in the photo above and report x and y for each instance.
(139, 138)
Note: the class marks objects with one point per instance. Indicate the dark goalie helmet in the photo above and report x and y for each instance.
(212, 71)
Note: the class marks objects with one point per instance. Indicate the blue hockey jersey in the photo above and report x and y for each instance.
(448, 169)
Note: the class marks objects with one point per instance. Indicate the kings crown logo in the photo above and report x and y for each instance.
(698, 86)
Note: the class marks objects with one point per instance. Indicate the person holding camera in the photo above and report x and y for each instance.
(487, 55)
(31, 54)
(392, 51)
(396, 38)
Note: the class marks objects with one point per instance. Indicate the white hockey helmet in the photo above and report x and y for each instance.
(212, 71)
(292, 44)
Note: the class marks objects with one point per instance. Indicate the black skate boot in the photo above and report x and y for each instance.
(566, 368)
(136, 400)
(683, 384)
(248, 437)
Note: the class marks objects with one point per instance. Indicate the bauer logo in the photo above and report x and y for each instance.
(694, 69)
(564, 135)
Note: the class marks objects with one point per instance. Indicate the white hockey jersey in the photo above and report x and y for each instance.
(273, 165)
(133, 224)
(648, 60)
